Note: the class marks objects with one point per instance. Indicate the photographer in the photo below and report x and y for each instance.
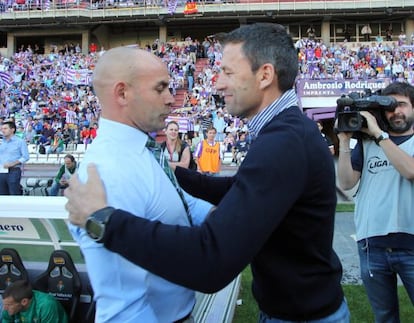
(384, 204)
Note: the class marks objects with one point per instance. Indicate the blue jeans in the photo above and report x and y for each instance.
(58, 150)
(190, 80)
(379, 269)
(54, 189)
(10, 182)
(340, 316)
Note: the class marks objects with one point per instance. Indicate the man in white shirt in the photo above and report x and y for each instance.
(132, 87)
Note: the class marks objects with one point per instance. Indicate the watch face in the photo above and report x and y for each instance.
(94, 229)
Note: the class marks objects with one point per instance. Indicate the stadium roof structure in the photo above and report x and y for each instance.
(86, 14)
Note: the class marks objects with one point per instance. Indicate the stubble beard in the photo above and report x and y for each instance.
(403, 126)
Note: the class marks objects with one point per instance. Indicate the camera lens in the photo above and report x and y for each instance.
(353, 122)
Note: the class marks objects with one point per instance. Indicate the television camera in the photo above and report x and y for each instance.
(349, 106)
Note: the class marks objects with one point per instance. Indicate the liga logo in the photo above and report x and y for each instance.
(376, 165)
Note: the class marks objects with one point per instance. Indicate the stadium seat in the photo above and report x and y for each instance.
(227, 158)
(62, 280)
(32, 148)
(11, 268)
(37, 186)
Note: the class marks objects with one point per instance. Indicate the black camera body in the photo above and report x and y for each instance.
(349, 107)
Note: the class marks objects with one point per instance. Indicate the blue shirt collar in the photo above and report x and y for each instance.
(287, 100)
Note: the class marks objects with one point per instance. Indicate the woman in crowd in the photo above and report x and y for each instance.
(177, 151)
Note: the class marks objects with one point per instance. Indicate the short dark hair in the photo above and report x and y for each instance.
(19, 290)
(399, 88)
(267, 43)
(11, 124)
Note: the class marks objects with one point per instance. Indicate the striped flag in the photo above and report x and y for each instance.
(172, 6)
(6, 78)
(46, 4)
(77, 77)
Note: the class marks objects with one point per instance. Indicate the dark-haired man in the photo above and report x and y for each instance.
(13, 154)
(23, 304)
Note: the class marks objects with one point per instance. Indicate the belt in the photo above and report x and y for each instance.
(14, 168)
(184, 318)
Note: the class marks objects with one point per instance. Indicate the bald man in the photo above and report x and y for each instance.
(132, 87)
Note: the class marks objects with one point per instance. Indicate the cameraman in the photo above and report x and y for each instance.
(384, 204)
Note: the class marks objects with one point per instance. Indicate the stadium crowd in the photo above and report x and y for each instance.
(50, 93)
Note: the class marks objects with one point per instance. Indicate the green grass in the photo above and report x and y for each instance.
(355, 295)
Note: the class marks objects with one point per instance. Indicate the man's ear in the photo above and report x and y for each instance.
(266, 75)
(25, 302)
(121, 89)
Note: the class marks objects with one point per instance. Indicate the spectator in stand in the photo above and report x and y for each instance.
(207, 154)
(177, 151)
(402, 38)
(23, 304)
(93, 131)
(242, 127)
(388, 33)
(48, 131)
(206, 45)
(233, 129)
(67, 135)
(220, 124)
(93, 48)
(13, 154)
(85, 135)
(20, 132)
(195, 140)
(57, 145)
(189, 74)
(60, 182)
(206, 123)
(366, 32)
(240, 149)
(311, 32)
(76, 134)
(192, 48)
(30, 134)
(70, 115)
(229, 142)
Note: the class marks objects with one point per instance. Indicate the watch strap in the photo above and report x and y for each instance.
(381, 137)
(96, 223)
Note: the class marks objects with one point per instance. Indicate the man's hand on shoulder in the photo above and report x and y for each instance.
(85, 198)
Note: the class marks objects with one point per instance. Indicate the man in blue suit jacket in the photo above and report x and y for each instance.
(276, 213)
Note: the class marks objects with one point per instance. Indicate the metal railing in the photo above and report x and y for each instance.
(108, 8)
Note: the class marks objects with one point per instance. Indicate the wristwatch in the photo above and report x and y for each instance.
(96, 223)
(382, 137)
